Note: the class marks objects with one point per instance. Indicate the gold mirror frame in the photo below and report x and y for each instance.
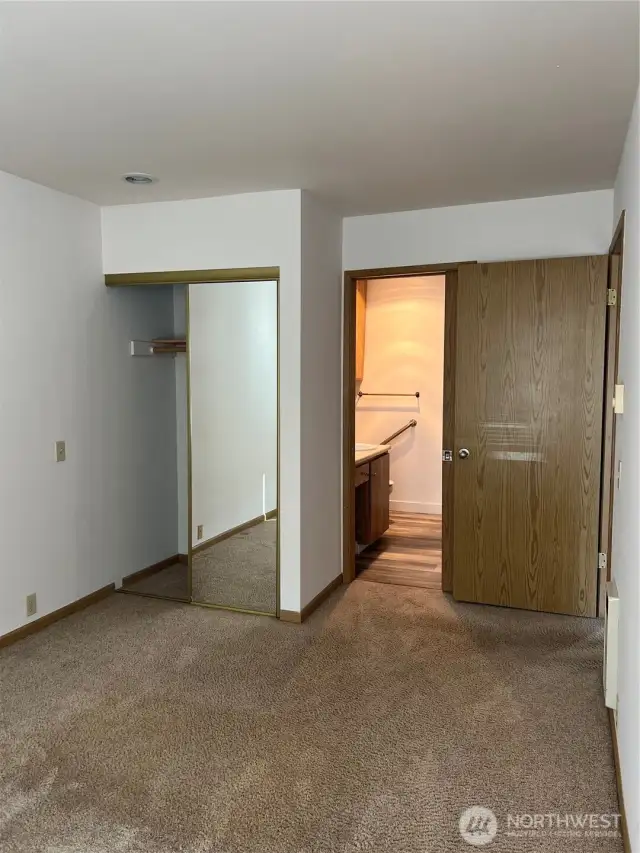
(187, 277)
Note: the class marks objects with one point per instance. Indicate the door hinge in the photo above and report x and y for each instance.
(602, 560)
(618, 399)
(612, 296)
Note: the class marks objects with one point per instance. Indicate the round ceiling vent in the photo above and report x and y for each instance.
(138, 178)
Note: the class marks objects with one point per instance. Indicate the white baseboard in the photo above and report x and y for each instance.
(415, 506)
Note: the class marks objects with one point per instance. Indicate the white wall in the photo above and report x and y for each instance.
(404, 352)
(555, 226)
(67, 374)
(182, 455)
(321, 408)
(625, 557)
(233, 362)
(253, 230)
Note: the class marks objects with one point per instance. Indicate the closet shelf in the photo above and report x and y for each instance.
(168, 345)
(159, 346)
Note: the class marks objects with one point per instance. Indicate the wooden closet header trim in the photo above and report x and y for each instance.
(128, 279)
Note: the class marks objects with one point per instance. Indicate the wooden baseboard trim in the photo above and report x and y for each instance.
(253, 522)
(297, 618)
(624, 828)
(184, 559)
(61, 613)
(151, 570)
(290, 616)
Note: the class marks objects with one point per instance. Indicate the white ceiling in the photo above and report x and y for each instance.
(377, 106)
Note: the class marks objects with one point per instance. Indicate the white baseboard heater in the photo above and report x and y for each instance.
(610, 673)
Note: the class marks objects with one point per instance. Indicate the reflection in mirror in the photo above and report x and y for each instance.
(233, 367)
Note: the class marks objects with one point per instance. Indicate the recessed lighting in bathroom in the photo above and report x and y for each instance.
(138, 178)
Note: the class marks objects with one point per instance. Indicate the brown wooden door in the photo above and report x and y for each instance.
(379, 493)
(528, 387)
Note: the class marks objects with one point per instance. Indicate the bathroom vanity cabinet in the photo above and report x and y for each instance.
(372, 497)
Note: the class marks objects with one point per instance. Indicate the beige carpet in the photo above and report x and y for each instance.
(239, 571)
(145, 726)
(172, 582)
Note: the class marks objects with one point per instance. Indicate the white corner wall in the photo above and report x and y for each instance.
(404, 352)
(625, 557)
(252, 230)
(233, 369)
(68, 375)
(321, 406)
(553, 226)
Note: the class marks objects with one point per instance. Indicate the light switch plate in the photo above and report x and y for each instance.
(61, 451)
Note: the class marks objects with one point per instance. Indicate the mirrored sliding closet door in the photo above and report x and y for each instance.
(233, 386)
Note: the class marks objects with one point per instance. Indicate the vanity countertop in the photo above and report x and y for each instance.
(363, 456)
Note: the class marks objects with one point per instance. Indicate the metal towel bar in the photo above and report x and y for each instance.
(368, 394)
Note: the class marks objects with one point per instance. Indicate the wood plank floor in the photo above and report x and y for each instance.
(409, 554)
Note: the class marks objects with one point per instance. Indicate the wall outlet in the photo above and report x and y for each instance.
(32, 604)
(61, 451)
(200, 531)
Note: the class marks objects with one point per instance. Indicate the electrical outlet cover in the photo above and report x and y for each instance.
(32, 604)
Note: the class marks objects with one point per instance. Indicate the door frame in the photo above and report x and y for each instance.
(351, 277)
(608, 473)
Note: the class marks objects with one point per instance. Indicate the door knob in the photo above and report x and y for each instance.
(463, 453)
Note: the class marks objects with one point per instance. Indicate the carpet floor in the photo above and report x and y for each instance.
(172, 582)
(239, 571)
(144, 726)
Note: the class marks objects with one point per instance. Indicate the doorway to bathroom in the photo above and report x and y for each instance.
(399, 370)
(522, 432)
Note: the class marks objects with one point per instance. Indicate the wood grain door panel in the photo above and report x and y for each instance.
(528, 388)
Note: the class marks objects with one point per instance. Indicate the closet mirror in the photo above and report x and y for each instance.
(233, 390)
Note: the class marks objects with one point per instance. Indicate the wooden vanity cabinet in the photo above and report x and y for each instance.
(372, 500)
(379, 489)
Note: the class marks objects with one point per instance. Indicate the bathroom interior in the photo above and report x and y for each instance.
(399, 408)
(210, 359)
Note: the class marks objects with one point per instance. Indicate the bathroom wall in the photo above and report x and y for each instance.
(404, 352)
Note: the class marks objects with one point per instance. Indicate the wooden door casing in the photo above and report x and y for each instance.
(612, 343)
(448, 425)
(349, 433)
(528, 388)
